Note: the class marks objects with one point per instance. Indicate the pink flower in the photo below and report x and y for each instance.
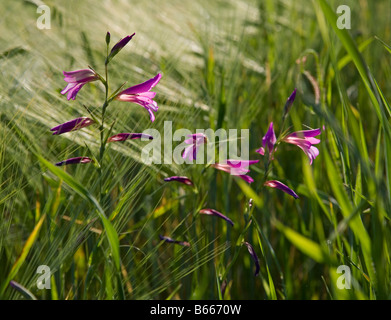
(305, 141)
(279, 185)
(76, 80)
(237, 168)
(269, 140)
(195, 141)
(142, 95)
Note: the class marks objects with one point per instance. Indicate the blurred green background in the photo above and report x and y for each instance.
(225, 64)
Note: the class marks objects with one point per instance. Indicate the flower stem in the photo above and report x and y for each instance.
(102, 129)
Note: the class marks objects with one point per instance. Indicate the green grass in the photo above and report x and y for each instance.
(225, 64)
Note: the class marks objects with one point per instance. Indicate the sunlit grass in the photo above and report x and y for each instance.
(225, 64)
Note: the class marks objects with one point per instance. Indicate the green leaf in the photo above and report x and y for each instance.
(305, 245)
(26, 249)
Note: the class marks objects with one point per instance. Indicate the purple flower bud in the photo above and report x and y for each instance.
(213, 212)
(170, 240)
(268, 141)
(108, 36)
(254, 256)
(74, 161)
(289, 102)
(118, 47)
(72, 125)
(282, 187)
(184, 180)
(126, 136)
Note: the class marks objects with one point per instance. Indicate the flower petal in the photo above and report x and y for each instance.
(143, 87)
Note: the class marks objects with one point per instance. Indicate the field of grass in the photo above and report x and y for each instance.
(227, 64)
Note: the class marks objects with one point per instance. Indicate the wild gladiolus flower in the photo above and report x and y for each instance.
(237, 168)
(254, 256)
(184, 180)
(170, 240)
(195, 141)
(268, 141)
(72, 125)
(142, 95)
(282, 187)
(126, 136)
(213, 212)
(76, 80)
(305, 141)
(74, 161)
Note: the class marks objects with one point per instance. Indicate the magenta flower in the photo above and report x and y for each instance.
(76, 80)
(170, 240)
(118, 47)
(142, 95)
(305, 141)
(213, 212)
(282, 187)
(268, 141)
(237, 168)
(74, 161)
(75, 124)
(254, 256)
(195, 141)
(126, 136)
(184, 180)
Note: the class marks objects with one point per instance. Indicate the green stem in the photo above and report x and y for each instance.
(102, 129)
